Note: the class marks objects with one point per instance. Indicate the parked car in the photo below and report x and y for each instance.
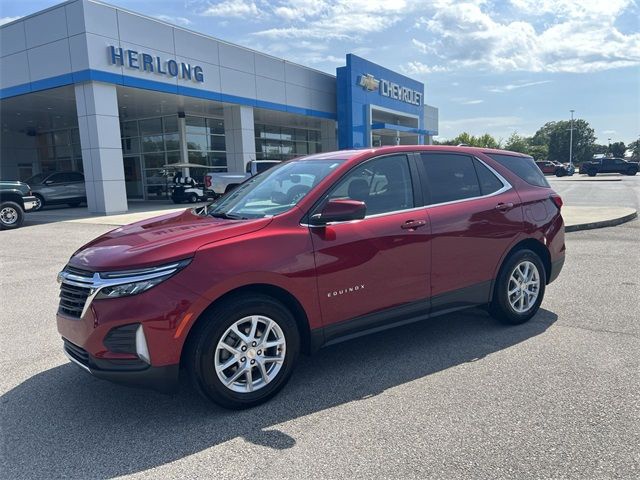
(382, 237)
(549, 167)
(609, 165)
(58, 188)
(220, 183)
(15, 199)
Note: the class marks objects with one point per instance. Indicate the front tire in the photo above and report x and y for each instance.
(39, 203)
(519, 289)
(11, 215)
(243, 351)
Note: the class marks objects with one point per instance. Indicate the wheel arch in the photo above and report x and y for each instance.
(278, 293)
(535, 246)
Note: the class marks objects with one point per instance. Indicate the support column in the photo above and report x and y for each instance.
(240, 139)
(328, 136)
(99, 124)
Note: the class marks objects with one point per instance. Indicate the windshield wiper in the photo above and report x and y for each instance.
(227, 216)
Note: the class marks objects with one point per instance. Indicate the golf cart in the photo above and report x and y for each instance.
(185, 188)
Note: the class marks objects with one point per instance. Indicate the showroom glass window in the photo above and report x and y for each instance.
(58, 150)
(275, 142)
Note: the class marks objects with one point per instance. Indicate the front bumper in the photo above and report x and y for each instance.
(124, 371)
(29, 203)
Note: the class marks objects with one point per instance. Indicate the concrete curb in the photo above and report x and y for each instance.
(604, 223)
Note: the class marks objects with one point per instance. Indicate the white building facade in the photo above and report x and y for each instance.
(86, 86)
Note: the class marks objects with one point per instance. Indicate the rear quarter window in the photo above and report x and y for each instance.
(523, 167)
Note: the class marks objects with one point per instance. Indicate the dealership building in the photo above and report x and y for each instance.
(89, 87)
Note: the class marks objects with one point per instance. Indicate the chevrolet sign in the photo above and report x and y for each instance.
(390, 89)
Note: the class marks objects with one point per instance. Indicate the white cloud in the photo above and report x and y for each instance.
(516, 86)
(182, 21)
(479, 125)
(335, 20)
(419, 68)
(4, 20)
(472, 102)
(233, 9)
(574, 36)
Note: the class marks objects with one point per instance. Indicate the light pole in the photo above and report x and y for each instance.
(571, 141)
(609, 147)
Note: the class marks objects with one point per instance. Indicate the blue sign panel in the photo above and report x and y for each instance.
(362, 85)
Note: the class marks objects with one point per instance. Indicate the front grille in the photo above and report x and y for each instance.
(78, 353)
(72, 299)
(78, 271)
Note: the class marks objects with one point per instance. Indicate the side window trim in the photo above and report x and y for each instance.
(506, 186)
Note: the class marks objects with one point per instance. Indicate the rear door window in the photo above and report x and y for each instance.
(489, 183)
(450, 177)
(523, 167)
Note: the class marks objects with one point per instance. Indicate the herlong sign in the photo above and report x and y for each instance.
(148, 63)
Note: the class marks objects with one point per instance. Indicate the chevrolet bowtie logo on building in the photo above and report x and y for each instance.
(369, 82)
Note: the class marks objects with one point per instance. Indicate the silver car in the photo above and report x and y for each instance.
(58, 188)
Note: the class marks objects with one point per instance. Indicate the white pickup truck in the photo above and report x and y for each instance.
(221, 183)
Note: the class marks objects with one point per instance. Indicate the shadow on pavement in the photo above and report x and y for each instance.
(64, 423)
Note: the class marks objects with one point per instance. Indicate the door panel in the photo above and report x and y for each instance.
(379, 262)
(475, 216)
(371, 265)
(469, 238)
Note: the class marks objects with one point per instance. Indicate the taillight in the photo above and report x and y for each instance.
(557, 199)
(207, 181)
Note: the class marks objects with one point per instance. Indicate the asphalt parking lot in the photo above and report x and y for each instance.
(459, 396)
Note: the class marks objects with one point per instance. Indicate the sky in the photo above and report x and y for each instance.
(493, 67)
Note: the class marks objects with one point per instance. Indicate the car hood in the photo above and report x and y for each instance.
(159, 240)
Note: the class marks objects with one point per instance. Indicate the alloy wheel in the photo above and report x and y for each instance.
(250, 354)
(523, 286)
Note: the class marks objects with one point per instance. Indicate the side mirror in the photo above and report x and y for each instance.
(339, 211)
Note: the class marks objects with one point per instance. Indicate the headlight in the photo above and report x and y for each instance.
(133, 282)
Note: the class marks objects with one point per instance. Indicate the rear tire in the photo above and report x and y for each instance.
(193, 198)
(11, 215)
(591, 173)
(206, 355)
(631, 172)
(519, 288)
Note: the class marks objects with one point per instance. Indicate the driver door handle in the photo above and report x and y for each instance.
(413, 224)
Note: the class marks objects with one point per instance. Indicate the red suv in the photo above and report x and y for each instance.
(316, 250)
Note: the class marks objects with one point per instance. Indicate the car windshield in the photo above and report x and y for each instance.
(36, 178)
(275, 191)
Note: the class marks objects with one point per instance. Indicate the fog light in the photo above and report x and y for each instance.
(141, 346)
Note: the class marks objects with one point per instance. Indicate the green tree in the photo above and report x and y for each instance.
(600, 149)
(617, 149)
(635, 148)
(556, 136)
(517, 143)
(538, 152)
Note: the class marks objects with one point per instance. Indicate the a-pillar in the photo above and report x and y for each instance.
(99, 125)
(239, 134)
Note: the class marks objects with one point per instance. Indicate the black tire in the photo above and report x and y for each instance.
(11, 215)
(592, 173)
(193, 198)
(39, 203)
(201, 349)
(560, 173)
(500, 307)
(631, 172)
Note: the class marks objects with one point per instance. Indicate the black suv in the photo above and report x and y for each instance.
(609, 165)
(15, 199)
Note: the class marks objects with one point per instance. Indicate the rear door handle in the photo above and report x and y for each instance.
(504, 206)
(413, 224)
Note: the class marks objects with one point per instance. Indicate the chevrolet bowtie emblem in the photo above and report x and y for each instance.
(369, 82)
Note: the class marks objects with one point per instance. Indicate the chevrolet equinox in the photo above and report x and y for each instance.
(316, 250)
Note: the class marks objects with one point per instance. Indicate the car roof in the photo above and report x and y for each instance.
(368, 152)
